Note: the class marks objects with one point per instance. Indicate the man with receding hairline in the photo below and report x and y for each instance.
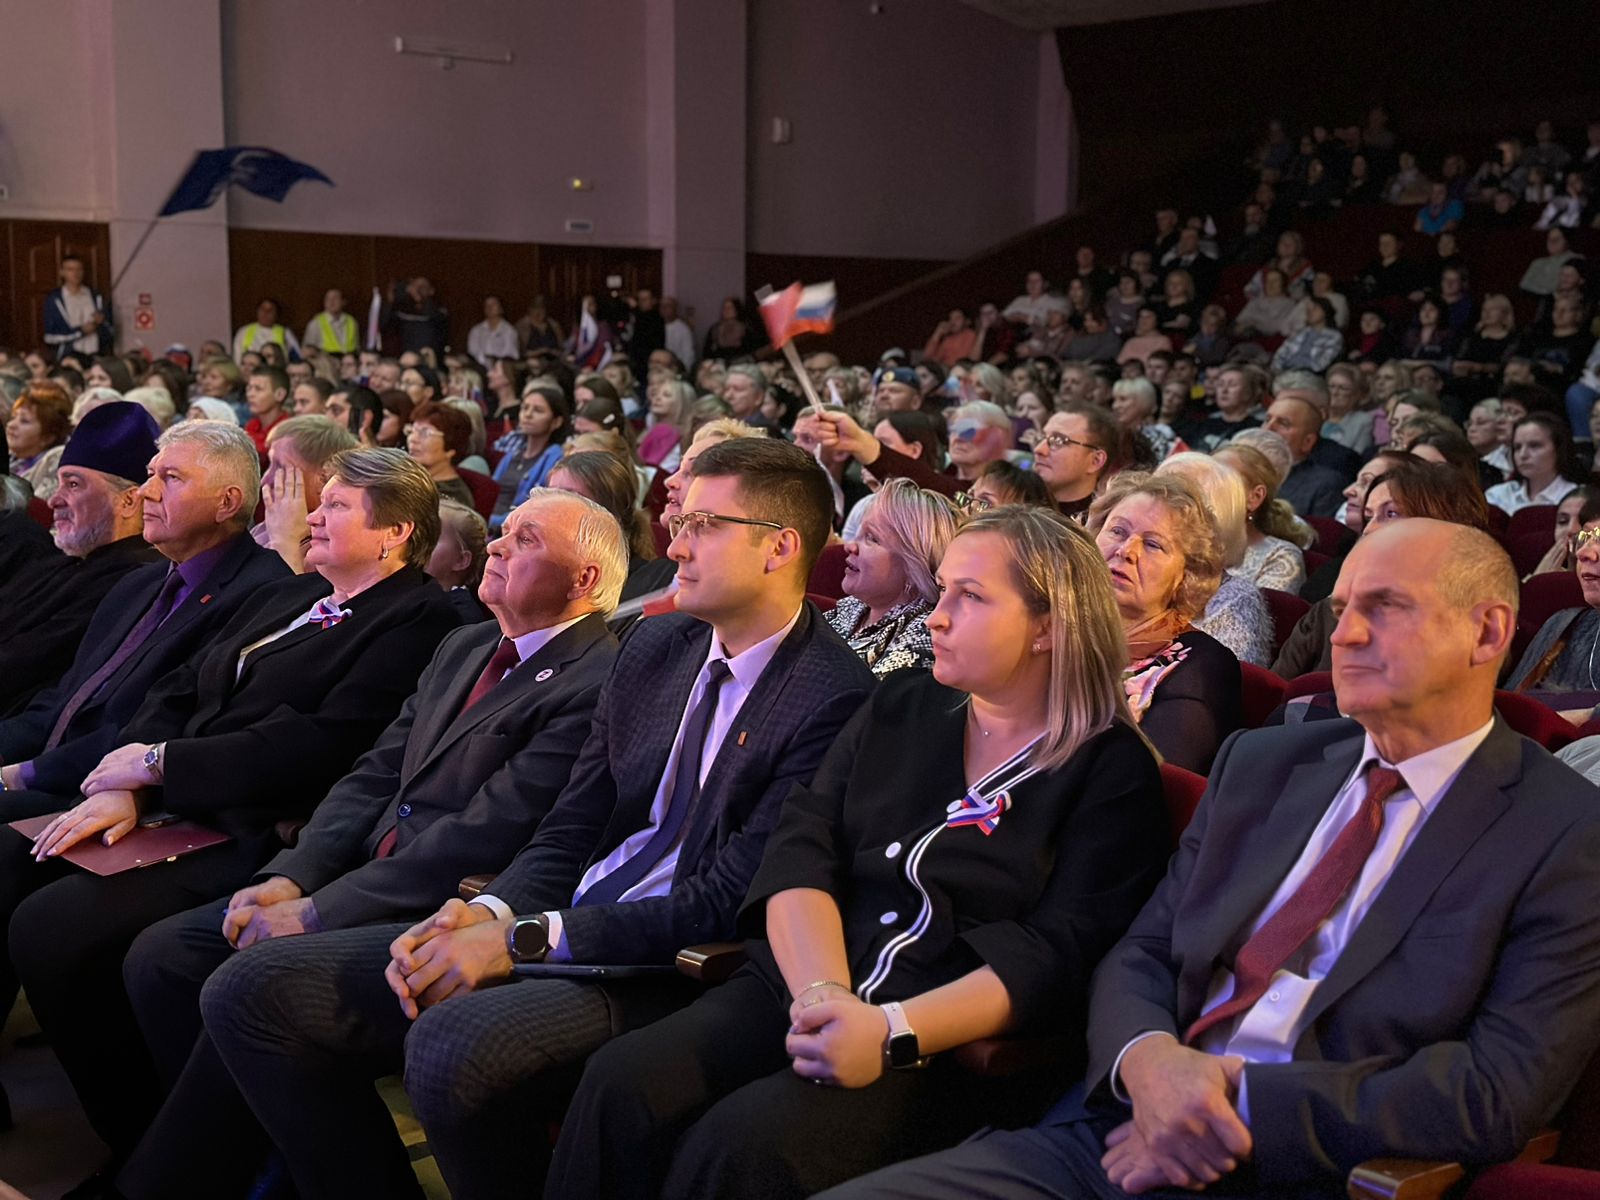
(1259, 1030)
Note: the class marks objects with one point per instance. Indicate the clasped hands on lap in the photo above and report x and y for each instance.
(1185, 1130)
(110, 806)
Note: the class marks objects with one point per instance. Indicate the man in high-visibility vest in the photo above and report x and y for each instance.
(333, 329)
(264, 329)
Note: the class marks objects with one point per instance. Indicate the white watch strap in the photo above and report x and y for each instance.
(896, 1017)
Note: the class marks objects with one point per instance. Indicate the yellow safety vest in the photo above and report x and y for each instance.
(254, 328)
(343, 343)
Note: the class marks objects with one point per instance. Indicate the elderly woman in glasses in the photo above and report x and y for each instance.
(1564, 655)
(889, 577)
(886, 925)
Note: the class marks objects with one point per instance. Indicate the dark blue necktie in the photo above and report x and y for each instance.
(159, 610)
(685, 789)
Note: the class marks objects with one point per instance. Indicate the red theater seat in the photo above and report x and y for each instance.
(1262, 691)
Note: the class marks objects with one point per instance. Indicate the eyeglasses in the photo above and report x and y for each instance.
(695, 522)
(423, 431)
(1060, 441)
(968, 503)
(1584, 536)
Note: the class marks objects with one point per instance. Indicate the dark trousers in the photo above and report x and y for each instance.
(1047, 1162)
(704, 1103)
(305, 1024)
(204, 1141)
(67, 932)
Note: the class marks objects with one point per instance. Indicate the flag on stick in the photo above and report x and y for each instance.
(254, 168)
(797, 310)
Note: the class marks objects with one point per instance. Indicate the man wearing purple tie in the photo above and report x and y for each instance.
(1376, 937)
(202, 487)
(708, 719)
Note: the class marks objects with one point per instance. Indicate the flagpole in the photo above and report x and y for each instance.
(138, 246)
(793, 356)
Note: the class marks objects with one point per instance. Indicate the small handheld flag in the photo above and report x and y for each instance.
(797, 310)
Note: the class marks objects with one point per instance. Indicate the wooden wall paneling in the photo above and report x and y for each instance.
(32, 269)
(296, 269)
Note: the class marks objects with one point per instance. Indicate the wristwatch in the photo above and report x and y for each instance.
(528, 939)
(152, 761)
(901, 1052)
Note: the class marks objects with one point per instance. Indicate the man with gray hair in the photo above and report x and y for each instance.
(980, 433)
(743, 391)
(195, 509)
(457, 784)
(96, 511)
(299, 450)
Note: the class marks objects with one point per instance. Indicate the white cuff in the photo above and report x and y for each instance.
(558, 939)
(494, 904)
(1116, 1067)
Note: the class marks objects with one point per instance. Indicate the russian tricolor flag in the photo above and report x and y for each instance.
(797, 310)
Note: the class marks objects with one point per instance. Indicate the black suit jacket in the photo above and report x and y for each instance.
(45, 612)
(1463, 1009)
(92, 731)
(243, 753)
(808, 691)
(464, 790)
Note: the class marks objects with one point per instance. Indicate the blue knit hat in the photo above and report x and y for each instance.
(118, 439)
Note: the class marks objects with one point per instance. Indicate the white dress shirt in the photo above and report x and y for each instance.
(1512, 495)
(1267, 1031)
(745, 670)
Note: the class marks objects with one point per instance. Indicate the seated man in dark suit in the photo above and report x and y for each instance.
(251, 732)
(1377, 936)
(203, 485)
(458, 783)
(45, 610)
(710, 716)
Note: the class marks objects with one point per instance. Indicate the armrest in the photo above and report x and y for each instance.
(712, 962)
(1426, 1179)
(1404, 1179)
(473, 886)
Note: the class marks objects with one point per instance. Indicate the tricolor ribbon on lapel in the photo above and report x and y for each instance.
(984, 812)
(327, 614)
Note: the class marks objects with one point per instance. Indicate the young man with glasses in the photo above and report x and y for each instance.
(710, 716)
(1078, 450)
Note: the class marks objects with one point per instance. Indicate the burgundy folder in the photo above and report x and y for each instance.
(140, 848)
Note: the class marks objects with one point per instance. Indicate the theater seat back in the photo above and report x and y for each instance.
(1261, 692)
(485, 492)
(1286, 609)
(1182, 789)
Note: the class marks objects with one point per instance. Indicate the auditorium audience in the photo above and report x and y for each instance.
(1025, 709)
(1165, 556)
(609, 481)
(1311, 488)
(96, 524)
(195, 507)
(607, 878)
(889, 585)
(438, 437)
(1080, 449)
(266, 395)
(1000, 483)
(1194, 1078)
(456, 784)
(37, 428)
(289, 694)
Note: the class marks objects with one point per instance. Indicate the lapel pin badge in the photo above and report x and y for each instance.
(743, 733)
(206, 599)
(543, 675)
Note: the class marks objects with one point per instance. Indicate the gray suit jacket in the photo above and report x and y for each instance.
(1464, 1007)
(463, 790)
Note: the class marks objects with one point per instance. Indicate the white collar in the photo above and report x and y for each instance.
(1430, 774)
(746, 667)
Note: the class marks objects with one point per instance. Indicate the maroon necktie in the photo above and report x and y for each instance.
(1276, 942)
(504, 659)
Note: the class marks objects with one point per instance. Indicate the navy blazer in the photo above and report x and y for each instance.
(1461, 1012)
(463, 790)
(246, 750)
(92, 731)
(812, 686)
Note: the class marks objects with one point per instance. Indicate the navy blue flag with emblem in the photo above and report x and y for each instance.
(254, 168)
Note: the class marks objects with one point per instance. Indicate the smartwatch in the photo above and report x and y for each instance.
(901, 1052)
(528, 939)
